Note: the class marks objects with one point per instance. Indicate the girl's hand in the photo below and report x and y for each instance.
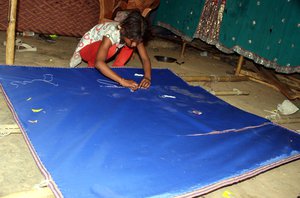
(145, 83)
(129, 84)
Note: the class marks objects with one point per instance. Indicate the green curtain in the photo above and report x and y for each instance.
(267, 31)
(180, 17)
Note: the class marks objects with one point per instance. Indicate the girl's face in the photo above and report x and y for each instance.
(130, 42)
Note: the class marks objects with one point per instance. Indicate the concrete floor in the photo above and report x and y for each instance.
(19, 174)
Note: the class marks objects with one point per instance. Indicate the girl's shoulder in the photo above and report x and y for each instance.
(107, 26)
(112, 31)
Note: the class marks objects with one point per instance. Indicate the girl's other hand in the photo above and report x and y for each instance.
(145, 83)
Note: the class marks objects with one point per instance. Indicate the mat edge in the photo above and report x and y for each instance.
(52, 185)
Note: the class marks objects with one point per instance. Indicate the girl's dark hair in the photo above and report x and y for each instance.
(134, 26)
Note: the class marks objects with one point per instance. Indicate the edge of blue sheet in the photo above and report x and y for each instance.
(190, 147)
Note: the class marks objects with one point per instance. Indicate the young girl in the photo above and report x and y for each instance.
(104, 40)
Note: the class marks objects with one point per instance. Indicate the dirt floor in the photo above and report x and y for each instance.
(19, 174)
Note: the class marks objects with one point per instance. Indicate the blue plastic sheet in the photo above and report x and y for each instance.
(98, 139)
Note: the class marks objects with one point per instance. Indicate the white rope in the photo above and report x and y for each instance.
(7, 129)
(4, 133)
(274, 115)
(237, 91)
(44, 183)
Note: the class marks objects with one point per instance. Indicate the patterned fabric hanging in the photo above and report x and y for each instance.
(264, 31)
(210, 21)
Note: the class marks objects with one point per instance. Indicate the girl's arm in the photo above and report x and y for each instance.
(145, 83)
(105, 69)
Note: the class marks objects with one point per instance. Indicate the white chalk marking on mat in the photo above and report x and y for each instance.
(48, 78)
(108, 84)
(196, 112)
(140, 75)
(36, 110)
(167, 96)
(28, 99)
(32, 121)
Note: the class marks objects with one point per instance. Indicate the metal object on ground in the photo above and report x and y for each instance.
(165, 59)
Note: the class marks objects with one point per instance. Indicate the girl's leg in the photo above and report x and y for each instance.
(89, 53)
(123, 56)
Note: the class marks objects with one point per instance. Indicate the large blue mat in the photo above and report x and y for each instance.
(92, 138)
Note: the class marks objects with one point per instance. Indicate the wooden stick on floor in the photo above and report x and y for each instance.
(183, 49)
(272, 79)
(215, 78)
(39, 193)
(287, 120)
(239, 65)
(10, 34)
(234, 92)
